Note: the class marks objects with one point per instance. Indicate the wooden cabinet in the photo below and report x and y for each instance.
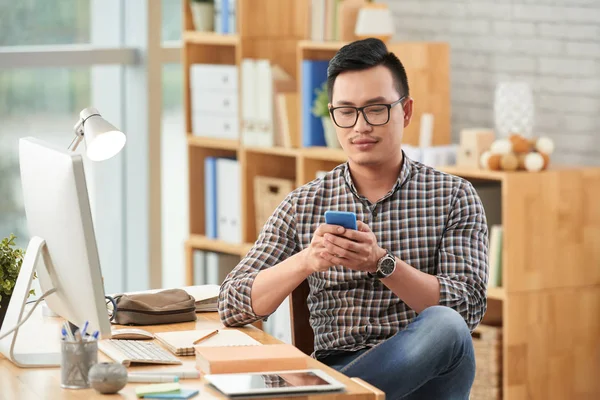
(549, 305)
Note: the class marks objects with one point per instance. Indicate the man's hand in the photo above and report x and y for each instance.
(354, 249)
(313, 254)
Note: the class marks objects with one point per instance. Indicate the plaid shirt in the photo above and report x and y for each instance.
(431, 220)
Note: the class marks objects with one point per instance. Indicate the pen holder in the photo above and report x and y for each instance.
(76, 360)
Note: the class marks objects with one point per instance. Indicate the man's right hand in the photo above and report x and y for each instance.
(312, 254)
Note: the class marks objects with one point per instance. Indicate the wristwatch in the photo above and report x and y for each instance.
(385, 266)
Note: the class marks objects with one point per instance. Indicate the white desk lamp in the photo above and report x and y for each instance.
(102, 139)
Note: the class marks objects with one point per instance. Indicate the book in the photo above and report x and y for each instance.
(217, 360)
(181, 343)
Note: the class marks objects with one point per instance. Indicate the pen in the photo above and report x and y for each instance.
(206, 336)
(151, 378)
(85, 326)
(95, 334)
(68, 332)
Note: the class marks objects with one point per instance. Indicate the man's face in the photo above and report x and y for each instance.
(363, 143)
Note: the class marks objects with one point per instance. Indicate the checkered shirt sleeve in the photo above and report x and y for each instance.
(463, 255)
(277, 241)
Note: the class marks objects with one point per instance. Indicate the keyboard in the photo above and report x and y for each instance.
(136, 351)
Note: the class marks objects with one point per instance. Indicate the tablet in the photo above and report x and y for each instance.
(274, 383)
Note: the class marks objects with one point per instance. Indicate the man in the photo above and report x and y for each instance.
(394, 301)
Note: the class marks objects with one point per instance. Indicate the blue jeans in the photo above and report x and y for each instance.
(432, 358)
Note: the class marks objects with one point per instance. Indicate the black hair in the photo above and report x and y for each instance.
(365, 54)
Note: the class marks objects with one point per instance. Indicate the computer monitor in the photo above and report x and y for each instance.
(62, 248)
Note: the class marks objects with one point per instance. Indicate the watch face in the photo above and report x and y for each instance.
(387, 266)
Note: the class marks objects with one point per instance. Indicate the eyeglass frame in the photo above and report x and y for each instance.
(362, 111)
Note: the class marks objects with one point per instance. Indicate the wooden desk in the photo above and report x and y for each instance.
(44, 383)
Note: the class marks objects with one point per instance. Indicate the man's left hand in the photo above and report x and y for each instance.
(354, 249)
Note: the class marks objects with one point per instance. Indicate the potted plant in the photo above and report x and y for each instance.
(320, 109)
(11, 259)
(203, 14)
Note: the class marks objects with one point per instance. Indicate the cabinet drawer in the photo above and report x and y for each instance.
(225, 103)
(215, 126)
(214, 77)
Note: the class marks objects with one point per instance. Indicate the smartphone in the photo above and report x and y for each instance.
(343, 218)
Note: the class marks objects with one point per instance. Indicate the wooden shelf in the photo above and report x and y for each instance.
(474, 173)
(325, 154)
(496, 293)
(327, 45)
(210, 38)
(278, 151)
(201, 242)
(213, 143)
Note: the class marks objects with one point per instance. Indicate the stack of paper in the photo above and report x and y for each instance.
(206, 297)
(181, 343)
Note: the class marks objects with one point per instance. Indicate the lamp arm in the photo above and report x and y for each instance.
(78, 128)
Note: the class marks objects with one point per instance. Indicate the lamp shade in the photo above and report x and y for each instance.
(374, 20)
(102, 139)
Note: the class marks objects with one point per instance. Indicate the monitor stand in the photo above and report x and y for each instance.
(16, 311)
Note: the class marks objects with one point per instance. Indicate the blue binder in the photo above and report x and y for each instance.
(210, 196)
(314, 73)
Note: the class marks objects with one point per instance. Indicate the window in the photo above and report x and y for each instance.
(171, 20)
(44, 103)
(44, 84)
(44, 22)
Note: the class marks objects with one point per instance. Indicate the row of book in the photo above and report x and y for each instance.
(334, 19)
(225, 16)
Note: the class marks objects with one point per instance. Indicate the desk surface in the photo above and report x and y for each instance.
(44, 383)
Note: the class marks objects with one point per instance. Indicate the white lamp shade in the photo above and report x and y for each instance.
(102, 139)
(374, 20)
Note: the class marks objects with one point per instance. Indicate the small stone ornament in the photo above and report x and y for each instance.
(108, 378)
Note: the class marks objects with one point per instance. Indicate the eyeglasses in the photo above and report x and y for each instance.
(374, 114)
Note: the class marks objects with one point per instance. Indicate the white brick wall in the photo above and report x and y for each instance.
(553, 44)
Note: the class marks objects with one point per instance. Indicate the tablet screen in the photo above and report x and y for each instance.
(292, 381)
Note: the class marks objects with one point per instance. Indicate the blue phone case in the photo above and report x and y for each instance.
(342, 218)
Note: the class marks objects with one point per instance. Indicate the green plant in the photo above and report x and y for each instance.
(11, 259)
(320, 104)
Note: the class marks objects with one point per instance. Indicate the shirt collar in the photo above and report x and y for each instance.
(404, 175)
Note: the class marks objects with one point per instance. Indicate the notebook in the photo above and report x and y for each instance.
(220, 360)
(182, 394)
(181, 343)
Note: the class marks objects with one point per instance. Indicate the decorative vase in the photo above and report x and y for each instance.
(108, 378)
(203, 15)
(513, 109)
(331, 139)
(374, 20)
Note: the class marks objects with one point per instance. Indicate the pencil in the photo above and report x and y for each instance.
(206, 336)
